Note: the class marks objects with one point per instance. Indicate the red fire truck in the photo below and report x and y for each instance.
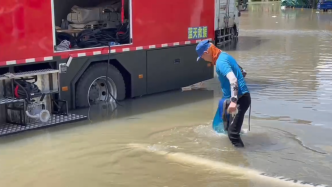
(57, 55)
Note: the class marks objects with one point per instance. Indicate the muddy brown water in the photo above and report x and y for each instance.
(287, 55)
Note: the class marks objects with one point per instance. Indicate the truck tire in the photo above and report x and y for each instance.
(236, 34)
(90, 75)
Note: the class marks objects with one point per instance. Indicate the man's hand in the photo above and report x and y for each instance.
(232, 108)
(244, 73)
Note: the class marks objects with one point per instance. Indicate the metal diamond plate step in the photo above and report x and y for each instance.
(7, 129)
(28, 73)
(9, 100)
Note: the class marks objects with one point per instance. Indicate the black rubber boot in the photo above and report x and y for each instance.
(238, 143)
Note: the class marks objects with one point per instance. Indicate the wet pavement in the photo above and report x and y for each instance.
(288, 60)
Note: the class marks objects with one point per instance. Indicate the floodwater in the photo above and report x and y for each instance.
(287, 55)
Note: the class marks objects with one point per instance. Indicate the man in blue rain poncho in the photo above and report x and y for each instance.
(236, 96)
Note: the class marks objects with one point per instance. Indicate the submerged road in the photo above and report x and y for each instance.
(287, 55)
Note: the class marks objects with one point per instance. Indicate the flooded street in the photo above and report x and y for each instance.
(287, 55)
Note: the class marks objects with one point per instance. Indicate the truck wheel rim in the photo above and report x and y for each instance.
(98, 92)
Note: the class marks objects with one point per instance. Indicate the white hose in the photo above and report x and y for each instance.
(43, 116)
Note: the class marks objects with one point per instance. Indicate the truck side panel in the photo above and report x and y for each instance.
(167, 21)
(176, 68)
(26, 27)
(164, 22)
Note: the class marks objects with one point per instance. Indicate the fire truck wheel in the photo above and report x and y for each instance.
(92, 86)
